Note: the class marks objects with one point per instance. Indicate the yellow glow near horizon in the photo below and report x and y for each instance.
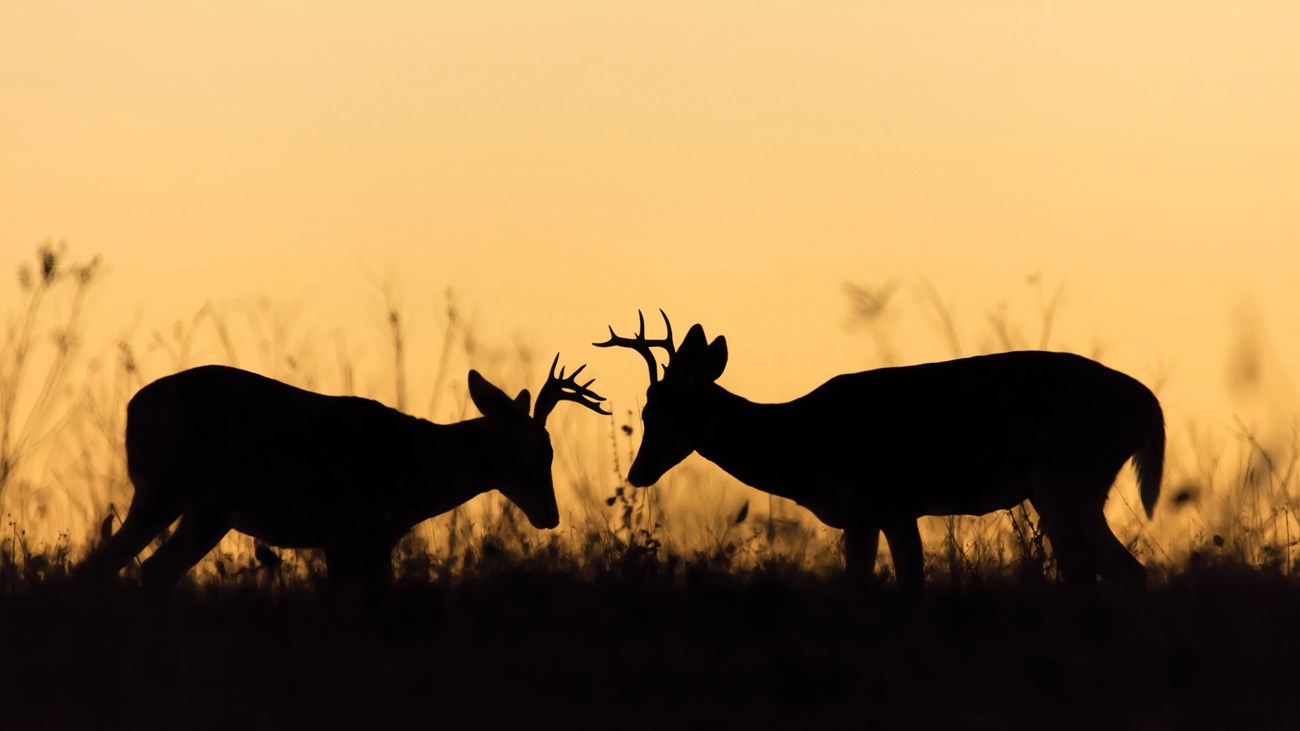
(562, 164)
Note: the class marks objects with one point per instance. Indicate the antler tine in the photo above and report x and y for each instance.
(642, 345)
(566, 388)
(668, 339)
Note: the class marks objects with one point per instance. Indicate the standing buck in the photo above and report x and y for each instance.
(876, 450)
(225, 449)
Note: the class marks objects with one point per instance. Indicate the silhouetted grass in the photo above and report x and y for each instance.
(63, 479)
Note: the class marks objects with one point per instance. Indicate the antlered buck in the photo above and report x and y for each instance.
(225, 449)
(876, 450)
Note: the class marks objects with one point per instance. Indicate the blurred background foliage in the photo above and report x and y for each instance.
(1229, 492)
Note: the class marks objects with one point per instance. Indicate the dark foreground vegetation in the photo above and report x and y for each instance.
(651, 644)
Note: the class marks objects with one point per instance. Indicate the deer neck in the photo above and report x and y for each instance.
(750, 441)
(452, 463)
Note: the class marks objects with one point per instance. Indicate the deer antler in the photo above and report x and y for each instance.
(565, 388)
(643, 346)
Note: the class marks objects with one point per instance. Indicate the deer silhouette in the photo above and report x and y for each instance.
(223, 449)
(876, 450)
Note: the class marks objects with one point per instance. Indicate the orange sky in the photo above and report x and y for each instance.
(564, 163)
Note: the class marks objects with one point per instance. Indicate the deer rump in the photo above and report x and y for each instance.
(288, 466)
(970, 436)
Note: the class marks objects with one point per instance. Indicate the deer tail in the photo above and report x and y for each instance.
(1149, 460)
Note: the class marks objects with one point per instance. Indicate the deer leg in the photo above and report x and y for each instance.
(860, 548)
(1111, 558)
(909, 561)
(197, 534)
(145, 519)
(368, 563)
(1066, 529)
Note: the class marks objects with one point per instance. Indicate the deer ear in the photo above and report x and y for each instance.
(522, 401)
(693, 341)
(690, 353)
(715, 359)
(490, 400)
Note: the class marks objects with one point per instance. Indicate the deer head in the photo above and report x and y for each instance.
(672, 416)
(527, 478)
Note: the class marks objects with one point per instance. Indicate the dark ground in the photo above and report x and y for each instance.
(527, 647)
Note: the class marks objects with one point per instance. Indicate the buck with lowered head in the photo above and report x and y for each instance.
(225, 449)
(876, 450)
